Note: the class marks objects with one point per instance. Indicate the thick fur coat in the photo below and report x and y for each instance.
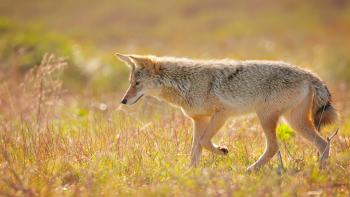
(211, 91)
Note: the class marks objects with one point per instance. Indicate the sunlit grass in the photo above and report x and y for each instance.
(112, 153)
(87, 147)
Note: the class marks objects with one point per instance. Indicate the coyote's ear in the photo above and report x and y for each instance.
(126, 59)
(147, 63)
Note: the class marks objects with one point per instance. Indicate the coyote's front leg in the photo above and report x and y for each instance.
(204, 130)
(217, 120)
(199, 125)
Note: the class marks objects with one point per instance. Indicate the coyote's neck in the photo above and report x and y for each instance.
(175, 88)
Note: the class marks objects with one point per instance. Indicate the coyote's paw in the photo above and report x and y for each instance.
(224, 150)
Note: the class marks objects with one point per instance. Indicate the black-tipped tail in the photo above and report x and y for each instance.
(325, 115)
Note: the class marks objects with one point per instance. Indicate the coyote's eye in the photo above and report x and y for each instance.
(137, 83)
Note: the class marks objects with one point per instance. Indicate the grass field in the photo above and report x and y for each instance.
(64, 133)
(77, 146)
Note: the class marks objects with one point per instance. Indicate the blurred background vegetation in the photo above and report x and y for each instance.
(63, 132)
(312, 34)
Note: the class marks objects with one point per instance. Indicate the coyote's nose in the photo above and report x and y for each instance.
(124, 101)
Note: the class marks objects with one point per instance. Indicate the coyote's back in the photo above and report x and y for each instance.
(253, 83)
(247, 86)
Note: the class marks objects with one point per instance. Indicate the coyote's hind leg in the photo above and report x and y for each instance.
(268, 122)
(300, 120)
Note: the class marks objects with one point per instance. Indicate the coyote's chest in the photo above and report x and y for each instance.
(174, 97)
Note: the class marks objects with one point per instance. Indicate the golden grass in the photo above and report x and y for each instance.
(54, 145)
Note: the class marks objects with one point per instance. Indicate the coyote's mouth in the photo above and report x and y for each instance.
(138, 99)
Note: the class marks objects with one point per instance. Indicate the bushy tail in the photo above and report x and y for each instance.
(326, 114)
(323, 111)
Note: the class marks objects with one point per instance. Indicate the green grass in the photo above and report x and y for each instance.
(93, 152)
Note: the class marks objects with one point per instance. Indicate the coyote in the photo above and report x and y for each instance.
(210, 91)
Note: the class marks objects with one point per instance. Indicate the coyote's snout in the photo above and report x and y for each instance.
(210, 91)
(133, 94)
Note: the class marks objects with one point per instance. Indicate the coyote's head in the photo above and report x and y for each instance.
(144, 78)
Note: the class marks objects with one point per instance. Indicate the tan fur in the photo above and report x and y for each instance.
(211, 91)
